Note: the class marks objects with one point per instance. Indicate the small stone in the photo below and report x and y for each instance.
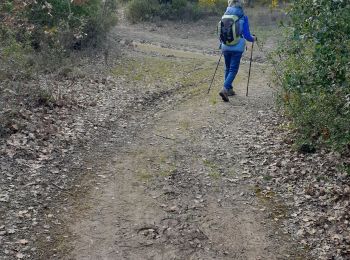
(173, 208)
(23, 241)
(11, 231)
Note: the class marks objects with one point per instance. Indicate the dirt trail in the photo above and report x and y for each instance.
(173, 187)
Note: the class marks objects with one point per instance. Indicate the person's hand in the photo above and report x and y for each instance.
(255, 38)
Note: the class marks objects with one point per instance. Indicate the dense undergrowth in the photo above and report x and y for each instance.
(192, 10)
(35, 33)
(139, 10)
(315, 70)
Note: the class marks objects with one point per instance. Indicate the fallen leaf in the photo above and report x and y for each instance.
(23, 241)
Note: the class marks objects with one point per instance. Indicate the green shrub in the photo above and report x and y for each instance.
(180, 10)
(15, 58)
(7, 6)
(213, 6)
(140, 10)
(70, 22)
(178, 5)
(220, 6)
(47, 30)
(316, 71)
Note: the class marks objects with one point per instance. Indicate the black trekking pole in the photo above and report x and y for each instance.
(250, 67)
(212, 80)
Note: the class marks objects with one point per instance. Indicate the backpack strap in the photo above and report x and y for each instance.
(239, 18)
(225, 16)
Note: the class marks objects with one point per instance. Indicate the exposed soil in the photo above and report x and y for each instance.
(177, 192)
(171, 185)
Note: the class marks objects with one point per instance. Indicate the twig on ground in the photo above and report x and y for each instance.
(165, 137)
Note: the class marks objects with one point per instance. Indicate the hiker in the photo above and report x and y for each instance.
(234, 31)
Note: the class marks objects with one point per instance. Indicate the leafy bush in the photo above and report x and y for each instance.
(140, 10)
(16, 61)
(213, 6)
(36, 36)
(37, 33)
(58, 22)
(316, 71)
(72, 21)
(180, 10)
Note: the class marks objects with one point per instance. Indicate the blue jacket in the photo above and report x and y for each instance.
(240, 46)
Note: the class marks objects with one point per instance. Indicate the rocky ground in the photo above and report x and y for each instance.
(131, 159)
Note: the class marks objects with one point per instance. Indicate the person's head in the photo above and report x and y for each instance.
(232, 3)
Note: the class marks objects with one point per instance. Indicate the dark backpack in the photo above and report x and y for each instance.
(230, 29)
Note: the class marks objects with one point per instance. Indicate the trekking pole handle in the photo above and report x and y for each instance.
(255, 38)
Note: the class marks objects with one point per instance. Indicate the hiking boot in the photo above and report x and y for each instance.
(224, 95)
(230, 92)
